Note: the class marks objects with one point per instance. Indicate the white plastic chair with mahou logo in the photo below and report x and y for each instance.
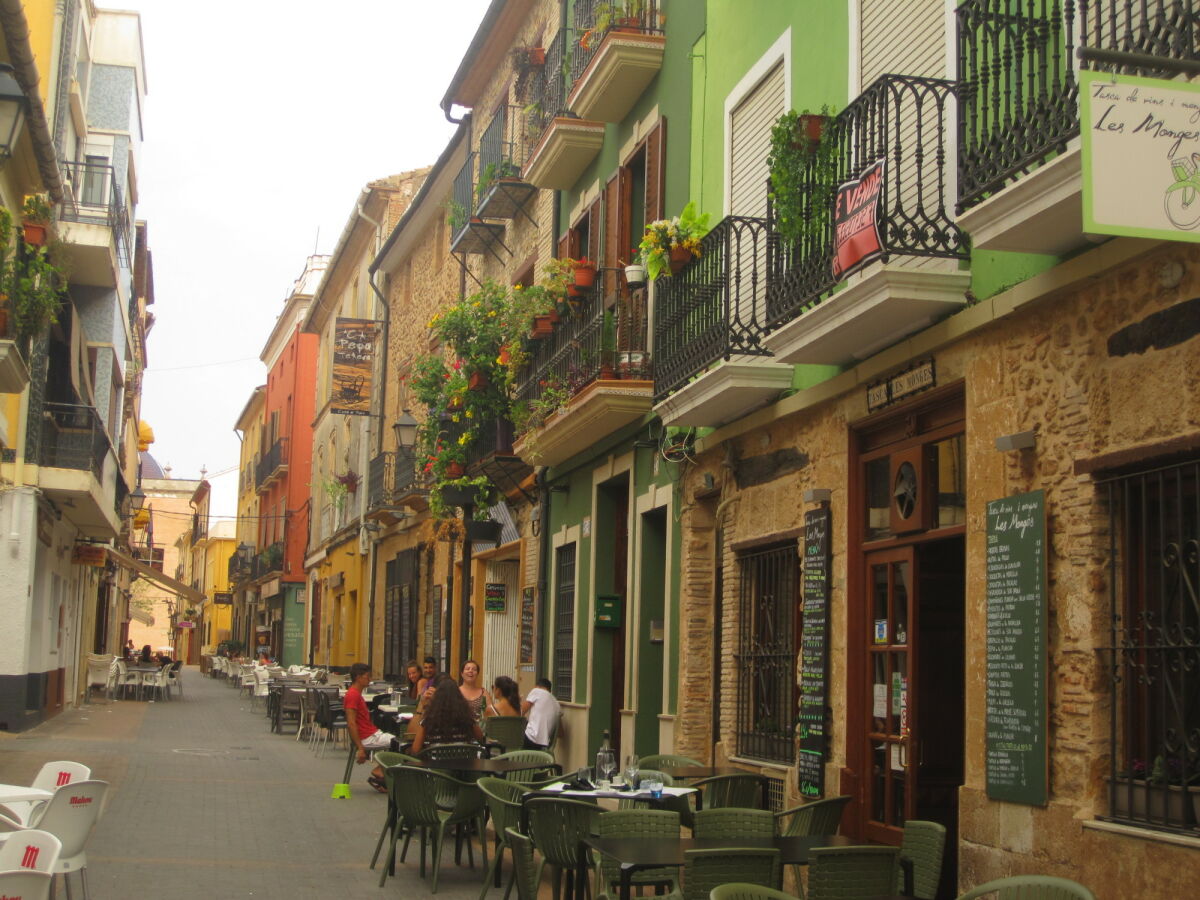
(51, 777)
(70, 816)
(31, 849)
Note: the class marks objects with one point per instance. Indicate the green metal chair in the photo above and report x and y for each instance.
(503, 800)
(848, 873)
(704, 870)
(1031, 887)
(742, 891)
(507, 731)
(733, 822)
(923, 845)
(415, 792)
(525, 870)
(541, 765)
(635, 823)
(667, 761)
(557, 825)
(388, 759)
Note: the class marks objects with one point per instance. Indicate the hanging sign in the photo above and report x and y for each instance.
(353, 363)
(1140, 156)
(89, 555)
(222, 598)
(856, 237)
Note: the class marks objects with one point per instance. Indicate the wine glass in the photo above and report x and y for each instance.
(608, 768)
(631, 770)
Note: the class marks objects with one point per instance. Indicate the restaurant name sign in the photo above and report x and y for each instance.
(353, 366)
(920, 376)
(856, 237)
(89, 555)
(1140, 146)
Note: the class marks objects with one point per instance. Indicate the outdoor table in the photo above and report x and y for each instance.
(635, 854)
(689, 772)
(475, 766)
(20, 793)
(562, 791)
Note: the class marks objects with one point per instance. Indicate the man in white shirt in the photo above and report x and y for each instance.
(542, 709)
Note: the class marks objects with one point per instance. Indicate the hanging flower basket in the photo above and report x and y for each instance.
(453, 495)
(477, 382)
(635, 275)
(537, 56)
(35, 233)
(455, 470)
(680, 257)
(483, 530)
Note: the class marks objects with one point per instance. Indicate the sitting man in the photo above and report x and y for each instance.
(543, 711)
(363, 733)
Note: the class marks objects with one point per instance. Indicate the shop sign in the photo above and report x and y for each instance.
(353, 365)
(223, 598)
(495, 597)
(1139, 152)
(185, 625)
(856, 237)
(89, 555)
(920, 376)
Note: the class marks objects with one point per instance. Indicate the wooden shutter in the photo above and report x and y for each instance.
(750, 143)
(656, 146)
(595, 227)
(616, 229)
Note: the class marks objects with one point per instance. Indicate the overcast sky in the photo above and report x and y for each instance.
(263, 121)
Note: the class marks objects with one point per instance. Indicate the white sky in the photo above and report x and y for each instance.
(263, 121)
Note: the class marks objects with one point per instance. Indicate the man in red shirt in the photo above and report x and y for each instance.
(363, 733)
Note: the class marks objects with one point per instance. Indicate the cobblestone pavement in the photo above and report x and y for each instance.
(206, 802)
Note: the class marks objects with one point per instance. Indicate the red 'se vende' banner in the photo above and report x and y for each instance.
(856, 237)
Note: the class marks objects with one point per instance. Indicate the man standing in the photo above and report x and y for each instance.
(543, 711)
(363, 733)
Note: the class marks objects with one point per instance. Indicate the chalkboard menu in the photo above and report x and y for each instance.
(527, 626)
(814, 655)
(494, 597)
(1016, 649)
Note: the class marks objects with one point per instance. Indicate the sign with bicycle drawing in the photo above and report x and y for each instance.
(1140, 144)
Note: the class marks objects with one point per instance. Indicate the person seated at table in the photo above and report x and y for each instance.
(506, 698)
(264, 659)
(447, 720)
(146, 658)
(130, 649)
(163, 659)
(472, 691)
(363, 733)
(411, 692)
(428, 676)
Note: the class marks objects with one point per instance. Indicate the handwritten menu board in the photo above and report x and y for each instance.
(814, 655)
(526, 626)
(1016, 649)
(494, 597)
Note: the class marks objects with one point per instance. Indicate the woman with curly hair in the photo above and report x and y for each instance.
(447, 720)
(506, 698)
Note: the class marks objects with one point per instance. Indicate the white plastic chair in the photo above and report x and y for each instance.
(22, 885)
(97, 674)
(157, 681)
(31, 849)
(50, 777)
(261, 685)
(70, 816)
(246, 680)
(175, 677)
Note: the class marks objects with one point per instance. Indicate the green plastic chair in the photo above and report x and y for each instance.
(507, 731)
(525, 870)
(723, 791)
(635, 823)
(704, 870)
(415, 793)
(741, 891)
(848, 873)
(733, 823)
(503, 800)
(388, 759)
(811, 819)
(923, 846)
(463, 750)
(540, 763)
(557, 825)
(1032, 887)
(674, 804)
(667, 761)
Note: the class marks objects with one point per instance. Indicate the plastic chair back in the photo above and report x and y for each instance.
(667, 761)
(450, 751)
(21, 885)
(923, 846)
(722, 791)
(70, 815)
(741, 891)
(507, 731)
(31, 849)
(1031, 887)
(821, 817)
(704, 870)
(54, 775)
(636, 823)
(733, 823)
(847, 873)
(540, 763)
(557, 825)
(503, 800)
(526, 869)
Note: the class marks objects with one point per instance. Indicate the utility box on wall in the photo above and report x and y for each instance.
(608, 610)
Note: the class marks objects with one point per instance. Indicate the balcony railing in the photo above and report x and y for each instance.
(502, 144)
(588, 38)
(715, 307)
(902, 120)
(240, 569)
(268, 561)
(391, 477)
(494, 437)
(462, 198)
(548, 95)
(73, 437)
(271, 462)
(93, 197)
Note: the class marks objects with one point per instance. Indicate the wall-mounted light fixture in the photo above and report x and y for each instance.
(405, 429)
(817, 495)
(13, 107)
(1021, 440)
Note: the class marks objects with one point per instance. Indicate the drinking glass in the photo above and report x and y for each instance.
(654, 785)
(631, 770)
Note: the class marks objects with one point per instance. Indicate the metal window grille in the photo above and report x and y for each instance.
(1154, 735)
(564, 622)
(768, 623)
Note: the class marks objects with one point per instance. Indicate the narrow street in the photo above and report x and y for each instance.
(206, 802)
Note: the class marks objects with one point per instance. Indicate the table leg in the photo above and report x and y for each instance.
(581, 872)
(626, 882)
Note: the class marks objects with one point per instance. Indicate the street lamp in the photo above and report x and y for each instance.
(13, 106)
(405, 429)
(138, 498)
(243, 551)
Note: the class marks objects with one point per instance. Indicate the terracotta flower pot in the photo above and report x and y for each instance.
(585, 276)
(505, 355)
(455, 470)
(477, 382)
(543, 327)
(680, 257)
(537, 56)
(629, 23)
(574, 290)
(35, 234)
(808, 131)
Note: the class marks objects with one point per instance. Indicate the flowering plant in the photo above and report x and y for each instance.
(684, 231)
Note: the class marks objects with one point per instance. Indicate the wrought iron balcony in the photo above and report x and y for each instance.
(500, 192)
(268, 561)
(903, 121)
(562, 145)
(494, 438)
(613, 59)
(73, 437)
(714, 308)
(240, 569)
(588, 37)
(273, 462)
(548, 92)
(93, 197)
(393, 480)
(469, 233)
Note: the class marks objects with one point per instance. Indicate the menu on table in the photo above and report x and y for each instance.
(814, 655)
(1016, 649)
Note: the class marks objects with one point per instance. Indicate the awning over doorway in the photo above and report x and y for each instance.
(139, 615)
(165, 581)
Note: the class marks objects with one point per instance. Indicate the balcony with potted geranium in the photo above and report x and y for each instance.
(588, 374)
(619, 52)
(500, 191)
(470, 233)
(562, 145)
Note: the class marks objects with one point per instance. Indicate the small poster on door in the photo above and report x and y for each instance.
(881, 631)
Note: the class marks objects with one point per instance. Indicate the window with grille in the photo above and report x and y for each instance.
(1154, 529)
(768, 638)
(564, 622)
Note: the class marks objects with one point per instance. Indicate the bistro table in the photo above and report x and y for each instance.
(20, 793)
(635, 854)
(476, 766)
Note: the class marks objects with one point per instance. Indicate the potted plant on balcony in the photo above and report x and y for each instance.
(36, 215)
(670, 244)
(1163, 791)
(803, 167)
(584, 272)
(32, 284)
(635, 270)
(492, 173)
(478, 493)
(348, 479)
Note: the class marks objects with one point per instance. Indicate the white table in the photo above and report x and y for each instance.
(19, 793)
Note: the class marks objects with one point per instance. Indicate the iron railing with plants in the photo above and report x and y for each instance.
(240, 569)
(594, 19)
(548, 94)
(462, 198)
(271, 461)
(502, 146)
(493, 437)
(901, 120)
(93, 197)
(391, 476)
(269, 560)
(73, 437)
(715, 307)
